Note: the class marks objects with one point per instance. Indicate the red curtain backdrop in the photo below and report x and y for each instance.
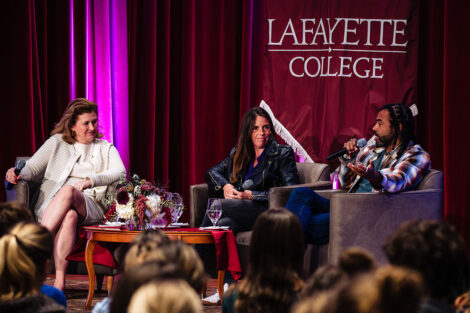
(194, 68)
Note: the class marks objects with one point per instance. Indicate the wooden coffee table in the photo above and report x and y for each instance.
(97, 234)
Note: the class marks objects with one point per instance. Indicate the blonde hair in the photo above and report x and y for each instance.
(172, 296)
(69, 118)
(23, 255)
(144, 247)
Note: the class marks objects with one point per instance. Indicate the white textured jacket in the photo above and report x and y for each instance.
(52, 163)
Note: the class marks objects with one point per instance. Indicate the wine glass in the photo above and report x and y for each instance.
(214, 210)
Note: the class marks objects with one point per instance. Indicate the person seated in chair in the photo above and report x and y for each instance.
(390, 162)
(255, 165)
(75, 169)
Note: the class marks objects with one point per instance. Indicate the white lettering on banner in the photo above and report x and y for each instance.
(362, 67)
(350, 27)
(358, 35)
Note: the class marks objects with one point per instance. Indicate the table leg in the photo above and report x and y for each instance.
(90, 246)
(220, 284)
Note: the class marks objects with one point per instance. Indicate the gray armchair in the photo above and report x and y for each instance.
(313, 175)
(367, 219)
(27, 193)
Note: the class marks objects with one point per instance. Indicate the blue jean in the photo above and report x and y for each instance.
(313, 212)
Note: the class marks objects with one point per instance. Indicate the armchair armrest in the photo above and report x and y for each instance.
(278, 196)
(198, 203)
(367, 219)
(19, 192)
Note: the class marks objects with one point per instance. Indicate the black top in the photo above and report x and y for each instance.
(277, 168)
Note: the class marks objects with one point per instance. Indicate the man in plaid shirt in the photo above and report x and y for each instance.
(390, 162)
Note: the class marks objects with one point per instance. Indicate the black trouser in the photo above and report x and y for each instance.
(240, 215)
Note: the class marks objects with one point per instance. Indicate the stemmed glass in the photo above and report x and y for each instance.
(214, 210)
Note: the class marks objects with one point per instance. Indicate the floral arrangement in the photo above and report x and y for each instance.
(140, 204)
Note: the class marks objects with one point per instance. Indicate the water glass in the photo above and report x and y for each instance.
(214, 210)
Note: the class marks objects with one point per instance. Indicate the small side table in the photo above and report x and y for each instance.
(97, 234)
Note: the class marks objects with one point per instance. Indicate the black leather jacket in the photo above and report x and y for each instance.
(277, 168)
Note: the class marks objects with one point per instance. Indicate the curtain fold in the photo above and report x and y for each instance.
(456, 108)
(186, 85)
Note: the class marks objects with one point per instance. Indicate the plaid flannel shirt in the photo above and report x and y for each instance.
(399, 173)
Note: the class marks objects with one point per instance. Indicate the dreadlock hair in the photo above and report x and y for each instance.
(401, 114)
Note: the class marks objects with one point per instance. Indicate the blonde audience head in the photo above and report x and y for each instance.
(24, 252)
(167, 296)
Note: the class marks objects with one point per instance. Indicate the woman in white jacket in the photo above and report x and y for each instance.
(75, 169)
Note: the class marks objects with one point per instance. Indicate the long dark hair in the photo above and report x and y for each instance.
(275, 267)
(244, 148)
(401, 114)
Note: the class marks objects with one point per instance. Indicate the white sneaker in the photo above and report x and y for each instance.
(215, 297)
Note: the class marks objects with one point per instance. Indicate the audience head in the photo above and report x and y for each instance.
(175, 260)
(276, 244)
(24, 252)
(245, 146)
(12, 213)
(356, 260)
(435, 250)
(400, 290)
(325, 278)
(388, 290)
(358, 295)
(69, 118)
(462, 303)
(165, 296)
(144, 246)
(275, 263)
(186, 259)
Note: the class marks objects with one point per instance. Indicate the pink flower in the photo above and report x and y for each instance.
(140, 207)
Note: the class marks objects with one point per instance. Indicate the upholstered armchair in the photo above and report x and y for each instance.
(26, 192)
(313, 175)
(367, 219)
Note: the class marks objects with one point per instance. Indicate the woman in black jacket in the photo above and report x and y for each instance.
(255, 165)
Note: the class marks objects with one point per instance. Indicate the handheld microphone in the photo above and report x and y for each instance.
(359, 143)
(19, 166)
(247, 184)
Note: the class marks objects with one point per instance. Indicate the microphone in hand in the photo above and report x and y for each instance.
(359, 144)
(247, 184)
(19, 166)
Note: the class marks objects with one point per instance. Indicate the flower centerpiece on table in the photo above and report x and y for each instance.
(141, 205)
